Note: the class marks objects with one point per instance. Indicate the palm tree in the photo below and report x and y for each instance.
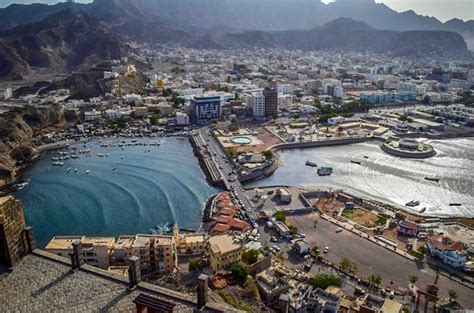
(345, 264)
(375, 278)
(413, 279)
(452, 294)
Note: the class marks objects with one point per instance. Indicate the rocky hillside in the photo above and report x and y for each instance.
(62, 43)
(18, 129)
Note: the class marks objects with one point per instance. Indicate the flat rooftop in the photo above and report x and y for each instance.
(65, 242)
(223, 244)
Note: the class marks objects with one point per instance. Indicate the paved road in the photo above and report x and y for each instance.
(373, 259)
(225, 167)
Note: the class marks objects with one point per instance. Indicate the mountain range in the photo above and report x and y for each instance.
(237, 15)
(68, 37)
(349, 35)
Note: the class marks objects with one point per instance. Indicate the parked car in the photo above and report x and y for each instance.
(338, 230)
(276, 248)
(274, 239)
(326, 249)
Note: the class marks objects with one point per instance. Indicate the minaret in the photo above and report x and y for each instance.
(175, 231)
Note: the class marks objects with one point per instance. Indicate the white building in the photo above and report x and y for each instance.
(94, 115)
(338, 92)
(286, 89)
(448, 250)
(284, 100)
(257, 102)
(95, 101)
(109, 75)
(6, 93)
(182, 119)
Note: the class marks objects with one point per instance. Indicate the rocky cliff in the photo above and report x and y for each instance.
(18, 130)
(63, 43)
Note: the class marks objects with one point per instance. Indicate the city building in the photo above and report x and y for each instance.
(271, 102)
(450, 251)
(205, 109)
(182, 119)
(163, 258)
(223, 251)
(127, 246)
(323, 301)
(97, 251)
(286, 89)
(6, 93)
(257, 102)
(91, 116)
(271, 284)
(408, 228)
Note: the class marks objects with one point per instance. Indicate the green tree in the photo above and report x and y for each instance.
(325, 280)
(280, 216)
(413, 279)
(422, 249)
(452, 294)
(154, 120)
(167, 92)
(293, 229)
(239, 273)
(194, 264)
(250, 256)
(345, 264)
(268, 154)
(375, 279)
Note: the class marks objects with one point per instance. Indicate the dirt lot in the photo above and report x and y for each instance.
(327, 206)
(360, 216)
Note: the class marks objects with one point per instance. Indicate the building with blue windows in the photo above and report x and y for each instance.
(205, 109)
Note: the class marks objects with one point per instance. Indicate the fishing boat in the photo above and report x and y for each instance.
(422, 210)
(355, 162)
(75, 170)
(312, 164)
(412, 203)
(366, 156)
(325, 171)
(87, 172)
(435, 179)
(455, 204)
(68, 169)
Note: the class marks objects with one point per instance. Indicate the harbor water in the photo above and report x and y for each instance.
(131, 190)
(388, 178)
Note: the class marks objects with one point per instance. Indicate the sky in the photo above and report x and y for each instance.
(443, 10)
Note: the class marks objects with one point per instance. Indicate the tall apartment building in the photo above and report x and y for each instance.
(97, 251)
(257, 102)
(163, 254)
(271, 101)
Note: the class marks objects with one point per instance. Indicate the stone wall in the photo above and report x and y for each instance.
(12, 231)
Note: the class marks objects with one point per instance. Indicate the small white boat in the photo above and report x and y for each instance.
(87, 172)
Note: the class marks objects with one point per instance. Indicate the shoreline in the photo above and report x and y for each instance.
(360, 193)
